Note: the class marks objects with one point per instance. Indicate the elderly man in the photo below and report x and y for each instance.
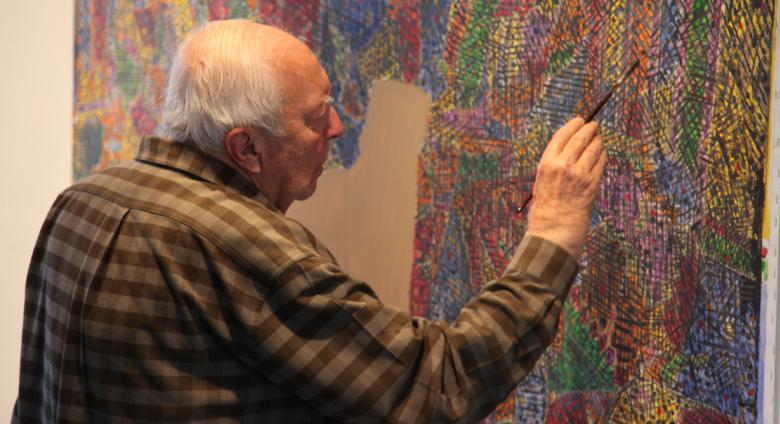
(174, 288)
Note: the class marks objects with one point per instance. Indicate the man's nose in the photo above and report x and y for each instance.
(335, 128)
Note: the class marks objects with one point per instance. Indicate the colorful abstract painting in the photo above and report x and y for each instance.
(662, 323)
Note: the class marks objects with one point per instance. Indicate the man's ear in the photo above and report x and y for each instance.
(240, 148)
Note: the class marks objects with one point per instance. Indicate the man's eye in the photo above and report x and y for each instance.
(324, 110)
(321, 114)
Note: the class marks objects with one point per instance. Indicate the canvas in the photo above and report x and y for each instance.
(662, 323)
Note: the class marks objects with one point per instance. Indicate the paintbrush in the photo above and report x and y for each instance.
(614, 88)
(593, 114)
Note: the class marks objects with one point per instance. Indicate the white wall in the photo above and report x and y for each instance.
(769, 363)
(36, 96)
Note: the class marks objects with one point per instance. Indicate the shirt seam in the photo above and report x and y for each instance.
(230, 252)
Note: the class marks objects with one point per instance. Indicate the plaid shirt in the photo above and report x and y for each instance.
(170, 289)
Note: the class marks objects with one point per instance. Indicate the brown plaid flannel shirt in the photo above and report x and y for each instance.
(169, 289)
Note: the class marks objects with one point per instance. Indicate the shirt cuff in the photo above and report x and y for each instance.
(545, 260)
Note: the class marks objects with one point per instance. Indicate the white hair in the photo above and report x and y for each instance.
(221, 78)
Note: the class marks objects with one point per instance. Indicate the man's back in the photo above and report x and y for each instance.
(134, 310)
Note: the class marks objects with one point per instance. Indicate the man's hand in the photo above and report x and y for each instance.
(567, 181)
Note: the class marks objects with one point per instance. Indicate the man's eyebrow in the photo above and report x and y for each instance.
(323, 106)
(328, 101)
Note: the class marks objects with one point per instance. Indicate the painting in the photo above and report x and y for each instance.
(662, 322)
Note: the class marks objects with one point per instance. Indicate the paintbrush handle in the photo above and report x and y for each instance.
(598, 107)
(606, 98)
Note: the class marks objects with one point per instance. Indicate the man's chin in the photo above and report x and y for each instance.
(309, 192)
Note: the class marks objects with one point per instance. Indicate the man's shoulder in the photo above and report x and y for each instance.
(258, 238)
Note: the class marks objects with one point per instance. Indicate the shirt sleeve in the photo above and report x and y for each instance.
(325, 337)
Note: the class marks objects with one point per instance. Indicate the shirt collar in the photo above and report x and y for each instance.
(184, 157)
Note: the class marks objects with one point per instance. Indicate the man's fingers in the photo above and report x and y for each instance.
(590, 156)
(562, 136)
(579, 141)
(598, 169)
